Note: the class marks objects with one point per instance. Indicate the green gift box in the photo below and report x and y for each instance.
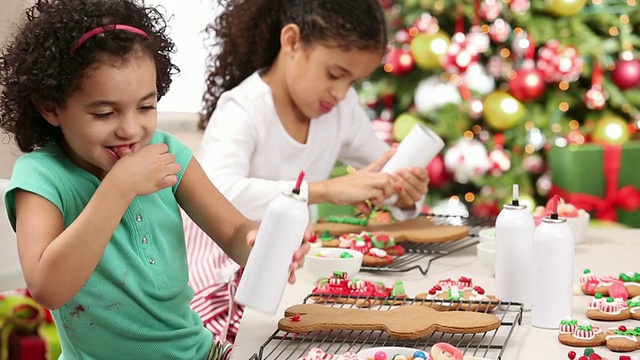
(602, 179)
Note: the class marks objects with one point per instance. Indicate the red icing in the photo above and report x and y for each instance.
(618, 290)
(345, 287)
(295, 318)
(591, 285)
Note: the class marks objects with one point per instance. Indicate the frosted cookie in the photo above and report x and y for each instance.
(384, 241)
(339, 288)
(319, 354)
(586, 334)
(592, 284)
(607, 309)
(328, 240)
(377, 257)
(623, 339)
(458, 294)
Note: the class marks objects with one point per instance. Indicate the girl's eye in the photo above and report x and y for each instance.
(333, 77)
(148, 108)
(102, 115)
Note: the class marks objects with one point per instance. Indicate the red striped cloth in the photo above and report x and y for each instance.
(214, 277)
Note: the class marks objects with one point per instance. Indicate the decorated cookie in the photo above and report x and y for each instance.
(458, 294)
(384, 241)
(339, 288)
(623, 339)
(613, 309)
(314, 241)
(592, 284)
(377, 257)
(328, 240)
(631, 282)
(445, 351)
(590, 354)
(319, 354)
(583, 335)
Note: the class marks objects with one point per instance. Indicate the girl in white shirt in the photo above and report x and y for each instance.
(280, 100)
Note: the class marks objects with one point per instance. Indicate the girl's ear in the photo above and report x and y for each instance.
(290, 38)
(48, 110)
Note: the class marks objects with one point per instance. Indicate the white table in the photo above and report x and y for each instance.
(607, 251)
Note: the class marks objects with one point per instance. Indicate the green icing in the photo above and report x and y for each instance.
(345, 255)
(345, 219)
(398, 289)
(585, 327)
(569, 322)
(633, 332)
(632, 303)
(326, 236)
(457, 297)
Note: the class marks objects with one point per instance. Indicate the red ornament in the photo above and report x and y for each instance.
(399, 62)
(490, 9)
(626, 74)
(461, 53)
(486, 209)
(527, 84)
(438, 174)
(425, 24)
(559, 63)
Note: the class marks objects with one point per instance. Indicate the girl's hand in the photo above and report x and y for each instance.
(411, 184)
(146, 171)
(298, 257)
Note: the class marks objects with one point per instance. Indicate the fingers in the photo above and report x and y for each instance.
(251, 238)
(123, 151)
(379, 162)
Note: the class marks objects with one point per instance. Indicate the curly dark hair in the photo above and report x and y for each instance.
(246, 36)
(38, 63)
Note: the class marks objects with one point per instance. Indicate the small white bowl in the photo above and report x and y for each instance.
(368, 354)
(322, 262)
(578, 226)
(488, 234)
(487, 255)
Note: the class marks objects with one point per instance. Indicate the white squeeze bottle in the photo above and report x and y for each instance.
(280, 234)
(552, 271)
(514, 252)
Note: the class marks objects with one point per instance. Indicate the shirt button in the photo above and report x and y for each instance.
(139, 218)
(145, 240)
(152, 261)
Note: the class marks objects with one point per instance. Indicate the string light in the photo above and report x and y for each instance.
(469, 197)
(564, 106)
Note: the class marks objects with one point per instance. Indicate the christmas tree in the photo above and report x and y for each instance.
(504, 81)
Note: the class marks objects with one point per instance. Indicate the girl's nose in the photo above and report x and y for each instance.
(127, 126)
(339, 90)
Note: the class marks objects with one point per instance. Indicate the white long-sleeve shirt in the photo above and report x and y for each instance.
(250, 157)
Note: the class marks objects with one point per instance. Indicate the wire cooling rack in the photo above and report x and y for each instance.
(488, 345)
(416, 254)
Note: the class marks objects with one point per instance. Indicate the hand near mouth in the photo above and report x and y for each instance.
(123, 151)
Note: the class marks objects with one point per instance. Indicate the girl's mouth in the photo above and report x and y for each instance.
(119, 151)
(325, 107)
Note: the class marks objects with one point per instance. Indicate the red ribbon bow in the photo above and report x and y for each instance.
(625, 198)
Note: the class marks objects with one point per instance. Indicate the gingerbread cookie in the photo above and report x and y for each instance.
(459, 294)
(377, 257)
(622, 339)
(409, 322)
(328, 240)
(421, 230)
(339, 288)
(628, 283)
(582, 335)
(607, 308)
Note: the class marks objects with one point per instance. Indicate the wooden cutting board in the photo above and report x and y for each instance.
(420, 230)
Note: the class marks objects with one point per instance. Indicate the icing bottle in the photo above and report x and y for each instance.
(514, 252)
(280, 234)
(552, 271)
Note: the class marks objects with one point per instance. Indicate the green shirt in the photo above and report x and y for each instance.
(135, 305)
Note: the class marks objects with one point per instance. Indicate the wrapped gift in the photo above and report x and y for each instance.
(602, 179)
(27, 331)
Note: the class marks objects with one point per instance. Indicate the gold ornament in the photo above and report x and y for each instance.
(566, 7)
(427, 50)
(502, 111)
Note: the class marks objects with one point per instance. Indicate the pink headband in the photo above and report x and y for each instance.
(102, 29)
